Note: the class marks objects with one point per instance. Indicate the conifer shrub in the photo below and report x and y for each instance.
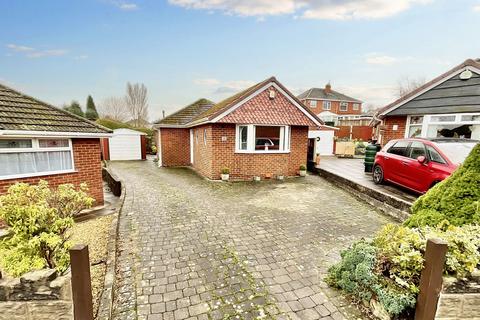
(38, 218)
(455, 201)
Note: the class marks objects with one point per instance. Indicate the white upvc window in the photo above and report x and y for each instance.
(313, 103)
(252, 138)
(327, 105)
(356, 106)
(459, 125)
(343, 106)
(31, 157)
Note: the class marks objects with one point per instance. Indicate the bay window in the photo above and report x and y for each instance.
(444, 126)
(262, 139)
(34, 157)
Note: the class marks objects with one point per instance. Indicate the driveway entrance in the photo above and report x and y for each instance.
(190, 248)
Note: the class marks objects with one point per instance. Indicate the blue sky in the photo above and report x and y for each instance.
(181, 50)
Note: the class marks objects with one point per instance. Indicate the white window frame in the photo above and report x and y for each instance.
(356, 106)
(36, 148)
(285, 137)
(327, 105)
(427, 120)
(343, 104)
(313, 103)
(205, 136)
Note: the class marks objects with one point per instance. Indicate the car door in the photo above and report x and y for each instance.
(393, 158)
(417, 175)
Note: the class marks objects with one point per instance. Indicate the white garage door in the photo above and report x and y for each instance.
(323, 141)
(125, 147)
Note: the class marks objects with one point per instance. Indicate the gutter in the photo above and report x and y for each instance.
(23, 133)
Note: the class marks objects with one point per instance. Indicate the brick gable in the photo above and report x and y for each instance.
(263, 110)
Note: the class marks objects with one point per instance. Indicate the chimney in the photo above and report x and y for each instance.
(328, 88)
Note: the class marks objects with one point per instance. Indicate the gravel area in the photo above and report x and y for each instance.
(94, 233)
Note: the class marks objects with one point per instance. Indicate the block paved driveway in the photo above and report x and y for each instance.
(193, 249)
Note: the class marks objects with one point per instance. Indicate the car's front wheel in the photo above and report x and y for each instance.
(377, 174)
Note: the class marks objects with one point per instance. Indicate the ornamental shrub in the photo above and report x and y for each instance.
(455, 200)
(39, 217)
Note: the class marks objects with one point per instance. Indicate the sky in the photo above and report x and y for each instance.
(182, 50)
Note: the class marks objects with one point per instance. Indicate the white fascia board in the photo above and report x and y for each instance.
(254, 94)
(23, 133)
(433, 85)
(336, 100)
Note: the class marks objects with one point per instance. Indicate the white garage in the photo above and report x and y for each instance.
(125, 144)
(323, 141)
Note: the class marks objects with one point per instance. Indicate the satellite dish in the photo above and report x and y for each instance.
(465, 75)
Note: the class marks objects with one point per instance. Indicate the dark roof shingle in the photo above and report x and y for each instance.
(21, 112)
(321, 94)
(188, 113)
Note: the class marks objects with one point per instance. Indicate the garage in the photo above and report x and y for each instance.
(125, 144)
(323, 141)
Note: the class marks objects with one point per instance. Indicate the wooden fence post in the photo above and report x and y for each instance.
(431, 279)
(81, 283)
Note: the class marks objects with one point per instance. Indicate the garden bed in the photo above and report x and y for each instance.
(95, 234)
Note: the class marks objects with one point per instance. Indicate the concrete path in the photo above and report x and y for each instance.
(194, 249)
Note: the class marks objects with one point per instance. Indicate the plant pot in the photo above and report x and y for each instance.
(256, 178)
(280, 177)
(303, 173)
(225, 176)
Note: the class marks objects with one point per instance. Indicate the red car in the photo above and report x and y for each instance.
(418, 164)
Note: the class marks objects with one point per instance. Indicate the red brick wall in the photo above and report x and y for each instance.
(335, 107)
(245, 166)
(88, 167)
(388, 133)
(203, 152)
(175, 147)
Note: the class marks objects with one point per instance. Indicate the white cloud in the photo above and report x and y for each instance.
(476, 8)
(374, 94)
(81, 57)
(206, 81)
(380, 59)
(18, 48)
(128, 6)
(233, 86)
(309, 9)
(30, 52)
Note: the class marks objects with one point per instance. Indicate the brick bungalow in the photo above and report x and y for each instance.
(448, 106)
(41, 142)
(261, 131)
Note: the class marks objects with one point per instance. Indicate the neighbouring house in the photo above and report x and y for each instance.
(261, 131)
(39, 141)
(331, 106)
(448, 106)
(125, 144)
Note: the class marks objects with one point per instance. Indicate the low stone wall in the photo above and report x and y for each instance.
(459, 299)
(37, 295)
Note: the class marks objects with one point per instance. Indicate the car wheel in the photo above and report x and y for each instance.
(377, 174)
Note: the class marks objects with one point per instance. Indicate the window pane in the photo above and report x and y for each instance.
(414, 131)
(243, 137)
(434, 155)
(356, 106)
(442, 118)
(399, 148)
(15, 143)
(449, 131)
(471, 117)
(34, 162)
(416, 120)
(267, 138)
(417, 149)
(53, 143)
(313, 103)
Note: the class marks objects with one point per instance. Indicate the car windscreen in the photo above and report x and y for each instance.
(456, 151)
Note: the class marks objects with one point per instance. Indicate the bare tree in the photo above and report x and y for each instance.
(114, 108)
(406, 85)
(137, 103)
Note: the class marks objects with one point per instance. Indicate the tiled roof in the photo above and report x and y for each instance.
(321, 94)
(188, 113)
(21, 112)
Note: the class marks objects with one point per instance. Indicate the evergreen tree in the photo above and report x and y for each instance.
(91, 112)
(456, 199)
(75, 108)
